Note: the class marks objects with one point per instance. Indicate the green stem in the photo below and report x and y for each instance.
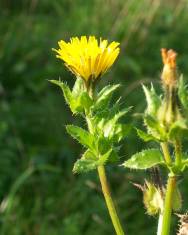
(109, 201)
(166, 153)
(167, 213)
(177, 146)
(106, 190)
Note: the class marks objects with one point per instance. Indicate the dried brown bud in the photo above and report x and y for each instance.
(169, 73)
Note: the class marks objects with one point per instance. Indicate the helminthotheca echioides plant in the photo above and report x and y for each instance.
(165, 120)
(88, 59)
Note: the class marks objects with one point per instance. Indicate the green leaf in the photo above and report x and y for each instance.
(104, 145)
(154, 127)
(152, 122)
(78, 99)
(82, 136)
(153, 100)
(88, 163)
(66, 90)
(145, 159)
(109, 126)
(145, 136)
(104, 158)
(120, 131)
(120, 114)
(84, 165)
(104, 96)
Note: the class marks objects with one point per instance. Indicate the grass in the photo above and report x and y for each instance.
(39, 194)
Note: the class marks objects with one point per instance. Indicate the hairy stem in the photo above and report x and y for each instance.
(167, 213)
(166, 153)
(109, 201)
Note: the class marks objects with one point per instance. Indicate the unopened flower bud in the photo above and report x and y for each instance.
(169, 73)
(169, 111)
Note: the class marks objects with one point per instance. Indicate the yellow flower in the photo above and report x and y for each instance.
(88, 58)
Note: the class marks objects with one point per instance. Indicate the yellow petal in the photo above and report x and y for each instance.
(87, 57)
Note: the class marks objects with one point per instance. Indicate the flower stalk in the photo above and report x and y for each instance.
(109, 201)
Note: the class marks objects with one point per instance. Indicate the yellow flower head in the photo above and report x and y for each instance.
(86, 57)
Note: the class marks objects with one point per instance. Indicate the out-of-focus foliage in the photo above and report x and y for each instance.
(38, 192)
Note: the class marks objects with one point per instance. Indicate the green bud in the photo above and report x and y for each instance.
(169, 112)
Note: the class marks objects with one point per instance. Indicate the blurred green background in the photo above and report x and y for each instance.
(39, 195)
